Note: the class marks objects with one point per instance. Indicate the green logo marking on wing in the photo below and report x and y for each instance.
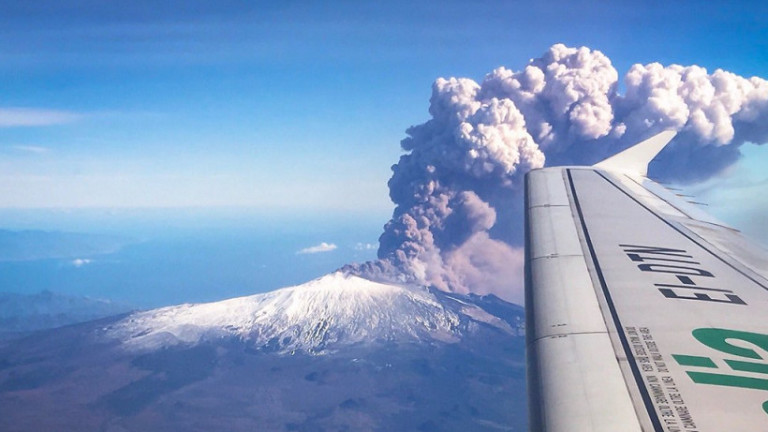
(720, 340)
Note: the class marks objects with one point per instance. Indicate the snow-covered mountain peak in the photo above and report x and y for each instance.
(316, 317)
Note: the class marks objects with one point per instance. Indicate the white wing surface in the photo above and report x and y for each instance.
(644, 313)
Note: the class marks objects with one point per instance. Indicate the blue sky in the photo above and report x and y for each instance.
(291, 105)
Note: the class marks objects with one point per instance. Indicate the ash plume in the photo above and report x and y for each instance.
(457, 224)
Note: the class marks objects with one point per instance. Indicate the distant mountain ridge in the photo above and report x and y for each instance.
(24, 313)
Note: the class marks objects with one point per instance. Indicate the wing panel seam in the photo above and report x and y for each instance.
(559, 335)
(548, 205)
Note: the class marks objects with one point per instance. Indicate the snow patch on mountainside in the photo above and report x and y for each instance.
(316, 317)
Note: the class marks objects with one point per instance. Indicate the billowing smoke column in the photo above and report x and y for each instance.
(457, 224)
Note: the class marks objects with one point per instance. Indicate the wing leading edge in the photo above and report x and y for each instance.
(644, 313)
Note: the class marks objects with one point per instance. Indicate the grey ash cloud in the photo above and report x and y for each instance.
(457, 224)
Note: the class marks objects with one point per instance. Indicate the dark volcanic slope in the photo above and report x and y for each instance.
(78, 379)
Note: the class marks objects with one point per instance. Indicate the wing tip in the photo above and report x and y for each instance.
(636, 158)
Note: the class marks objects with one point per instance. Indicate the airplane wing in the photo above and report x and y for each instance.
(643, 312)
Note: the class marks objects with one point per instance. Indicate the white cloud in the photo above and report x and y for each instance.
(79, 262)
(16, 117)
(322, 247)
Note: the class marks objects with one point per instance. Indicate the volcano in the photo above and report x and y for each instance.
(337, 353)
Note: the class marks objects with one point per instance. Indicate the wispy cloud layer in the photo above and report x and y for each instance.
(26, 117)
(322, 247)
(30, 149)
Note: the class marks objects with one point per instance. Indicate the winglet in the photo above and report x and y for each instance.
(636, 158)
